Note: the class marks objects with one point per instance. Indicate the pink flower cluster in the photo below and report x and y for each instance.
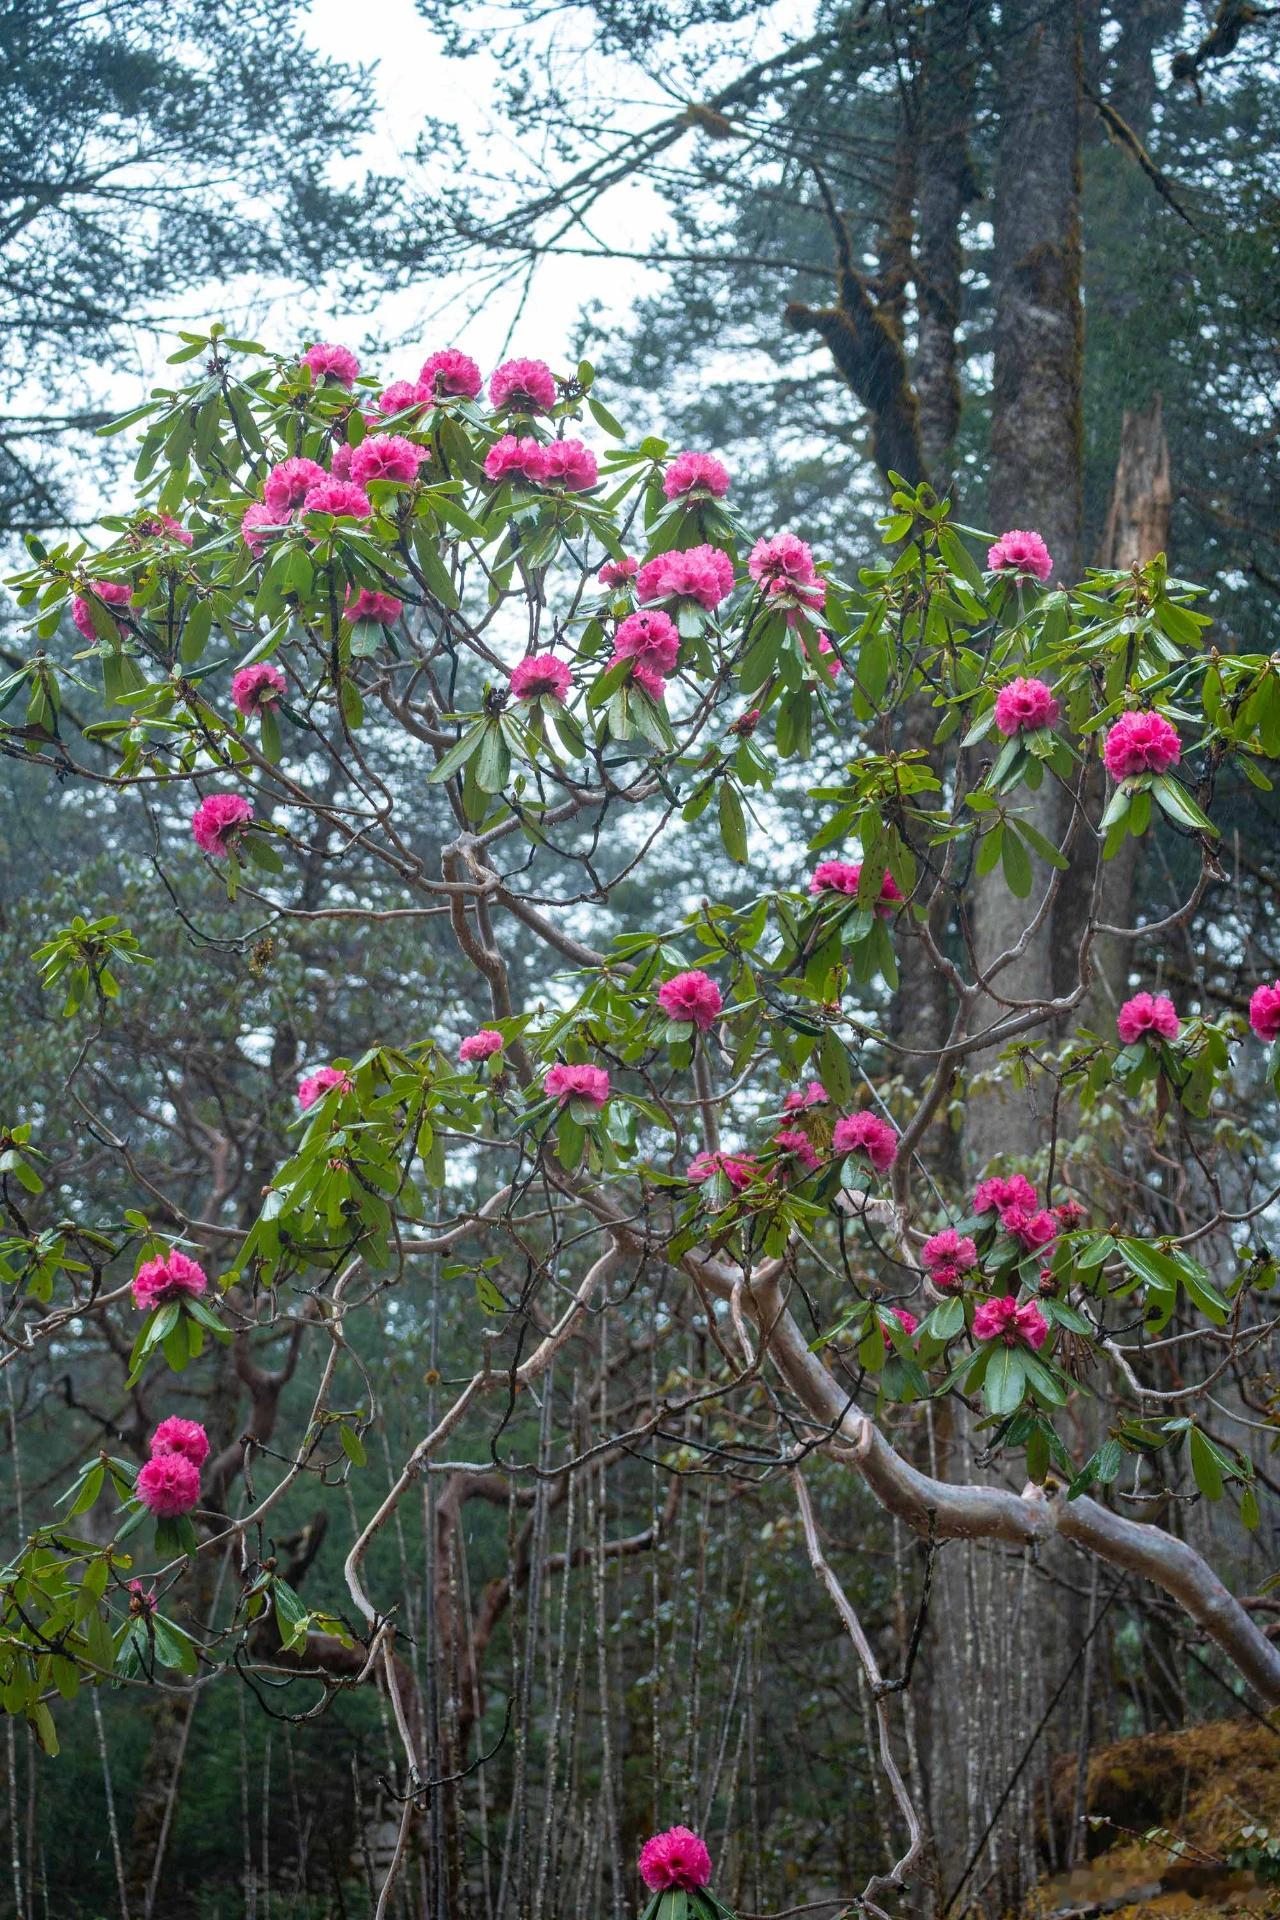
(695, 473)
(317, 1084)
(328, 362)
(218, 821)
(450, 374)
(676, 1858)
(738, 1169)
(1264, 1012)
(112, 593)
(527, 386)
(403, 394)
(842, 876)
(1004, 1190)
(947, 1257)
(1024, 706)
(540, 676)
(167, 1277)
(1033, 1227)
(1022, 552)
(905, 1319)
(703, 575)
(168, 1484)
(1141, 743)
(798, 1146)
(650, 637)
(867, 1134)
(342, 498)
(158, 526)
(288, 484)
(616, 573)
(565, 1083)
(784, 567)
(382, 608)
(1147, 1013)
(480, 1046)
(562, 463)
(254, 689)
(692, 997)
(1005, 1320)
(386, 456)
(812, 1095)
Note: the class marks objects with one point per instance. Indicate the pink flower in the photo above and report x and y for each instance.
(255, 524)
(382, 608)
(217, 821)
(905, 1319)
(814, 1095)
(451, 374)
(695, 472)
(1152, 1013)
(112, 593)
(1033, 1229)
(691, 997)
(738, 1169)
(168, 1486)
(169, 1278)
(1070, 1214)
(702, 574)
(1020, 552)
(157, 525)
(480, 1046)
(842, 876)
(564, 1083)
(1141, 743)
(328, 362)
(340, 497)
(785, 557)
(615, 573)
(528, 386)
(643, 673)
(176, 1435)
(1006, 1320)
(386, 456)
(1264, 1012)
(317, 1084)
(867, 1134)
(1024, 706)
(254, 689)
(401, 395)
(1001, 1191)
(799, 1146)
(828, 656)
(650, 637)
(289, 483)
(540, 676)
(676, 1858)
(949, 1249)
(947, 1277)
(340, 463)
(510, 458)
(571, 465)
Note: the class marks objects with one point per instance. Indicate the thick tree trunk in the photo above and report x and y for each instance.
(946, 186)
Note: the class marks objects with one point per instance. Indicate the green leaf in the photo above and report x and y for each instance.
(1206, 1465)
(1006, 1377)
(1017, 865)
(1174, 800)
(733, 824)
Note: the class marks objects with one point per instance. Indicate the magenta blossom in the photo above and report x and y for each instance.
(695, 473)
(949, 1249)
(1021, 552)
(1141, 743)
(643, 672)
(112, 593)
(842, 876)
(1024, 706)
(1035, 1229)
(256, 524)
(167, 1278)
(565, 1083)
(571, 465)
(328, 362)
(649, 636)
(738, 1169)
(168, 1486)
(616, 573)
(386, 456)
(691, 997)
(317, 1084)
(341, 497)
(480, 1046)
(1005, 1320)
(163, 525)
(515, 459)
(540, 676)
(1001, 1191)
(401, 395)
(703, 575)
(799, 1147)
(1147, 1013)
(382, 608)
(289, 483)
(254, 689)
(812, 1095)
(450, 374)
(527, 386)
(1264, 1012)
(677, 1858)
(176, 1435)
(218, 821)
(785, 557)
(867, 1134)
(905, 1319)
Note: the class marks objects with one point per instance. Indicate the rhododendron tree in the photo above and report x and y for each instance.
(709, 1140)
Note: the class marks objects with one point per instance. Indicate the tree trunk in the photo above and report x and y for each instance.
(946, 186)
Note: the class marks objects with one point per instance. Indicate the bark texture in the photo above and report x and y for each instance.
(946, 186)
